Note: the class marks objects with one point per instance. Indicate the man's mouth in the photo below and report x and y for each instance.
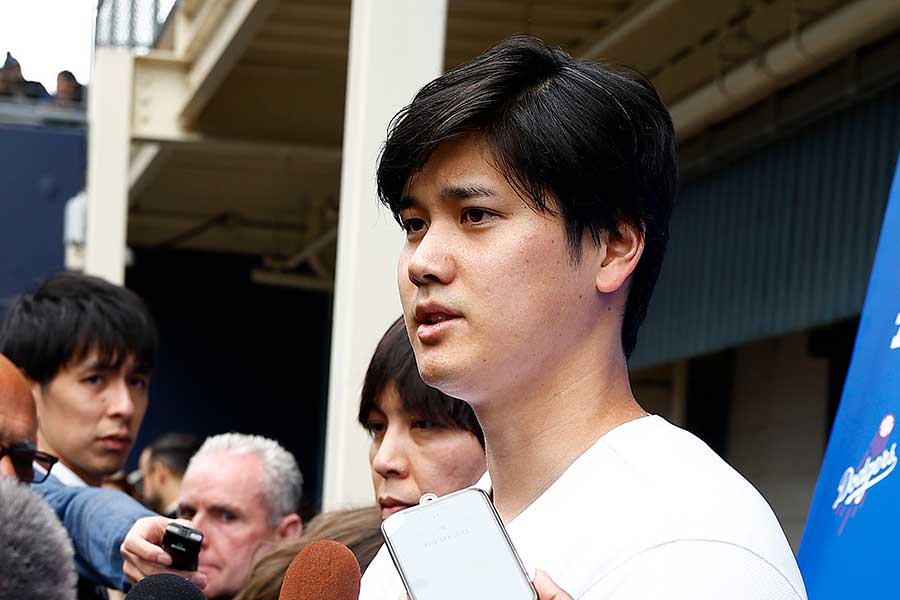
(431, 313)
(391, 505)
(116, 442)
(434, 321)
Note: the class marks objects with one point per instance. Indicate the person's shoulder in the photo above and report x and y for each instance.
(697, 570)
(643, 485)
(661, 458)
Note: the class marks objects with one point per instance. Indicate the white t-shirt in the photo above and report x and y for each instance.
(648, 511)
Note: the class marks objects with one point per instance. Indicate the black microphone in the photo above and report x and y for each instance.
(165, 586)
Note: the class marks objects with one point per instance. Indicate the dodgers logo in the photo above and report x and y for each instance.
(876, 465)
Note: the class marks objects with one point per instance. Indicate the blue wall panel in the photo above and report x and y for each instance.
(779, 241)
(40, 169)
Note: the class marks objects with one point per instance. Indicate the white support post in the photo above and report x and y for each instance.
(109, 138)
(393, 53)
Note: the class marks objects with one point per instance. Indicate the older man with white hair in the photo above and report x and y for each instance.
(243, 493)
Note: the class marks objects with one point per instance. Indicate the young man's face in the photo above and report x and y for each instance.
(490, 293)
(89, 416)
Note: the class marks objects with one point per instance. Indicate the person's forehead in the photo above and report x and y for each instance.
(92, 361)
(223, 477)
(18, 416)
(458, 167)
(17, 424)
(390, 404)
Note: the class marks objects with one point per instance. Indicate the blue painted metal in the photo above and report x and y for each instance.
(848, 547)
(779, 241)
(40, 169)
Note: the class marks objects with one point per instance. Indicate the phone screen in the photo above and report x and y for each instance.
(456, 547)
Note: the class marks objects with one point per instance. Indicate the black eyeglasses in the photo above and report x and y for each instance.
(24, 457)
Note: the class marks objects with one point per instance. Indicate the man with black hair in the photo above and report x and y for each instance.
(162, 465)
(87, 349)
(535, 192)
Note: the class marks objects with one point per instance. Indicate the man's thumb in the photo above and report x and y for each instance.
(546, 589)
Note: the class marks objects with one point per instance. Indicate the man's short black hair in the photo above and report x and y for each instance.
(395, 363)
(71, 315)
(587, 141)
(175, 450)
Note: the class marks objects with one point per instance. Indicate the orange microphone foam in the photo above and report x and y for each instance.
(323, 570)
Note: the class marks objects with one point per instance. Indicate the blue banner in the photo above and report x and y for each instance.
(850, 546)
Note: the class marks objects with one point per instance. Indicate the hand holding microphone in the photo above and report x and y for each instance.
(144, 555)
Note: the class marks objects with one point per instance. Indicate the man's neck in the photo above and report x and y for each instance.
(541, 428)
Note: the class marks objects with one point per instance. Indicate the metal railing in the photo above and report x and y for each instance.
(131, 23)
(40, 113)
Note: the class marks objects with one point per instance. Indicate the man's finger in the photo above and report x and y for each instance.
(546, 589)
(144, 538)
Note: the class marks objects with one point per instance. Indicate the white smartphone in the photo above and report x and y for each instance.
(456, 547)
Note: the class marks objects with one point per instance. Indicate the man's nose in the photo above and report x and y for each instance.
(121, 404)
(391, 459)
(431, 260)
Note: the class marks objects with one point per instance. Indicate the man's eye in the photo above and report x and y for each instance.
(228, 516)
(185, 513)
(375, 427)
(93, 379)
(475, 216)
(423, 424)
(413, 225)
(138, 382)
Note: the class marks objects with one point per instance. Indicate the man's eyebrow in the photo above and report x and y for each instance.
(224, 506)
(453, 192)
(95, 365)
(467, 191)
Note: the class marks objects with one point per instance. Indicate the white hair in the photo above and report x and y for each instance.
(282, 480)
(35, 551)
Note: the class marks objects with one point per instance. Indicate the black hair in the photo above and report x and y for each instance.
(71, 315)
(395, 363)
(174, 450)
(590, 142)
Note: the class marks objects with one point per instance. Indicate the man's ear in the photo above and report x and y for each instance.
(619, 257)
(290, 527)
(160, 471)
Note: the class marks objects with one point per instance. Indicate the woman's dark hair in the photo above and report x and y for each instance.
(587, 141)
(394, 363)
(71, 315)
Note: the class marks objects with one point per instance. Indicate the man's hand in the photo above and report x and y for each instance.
(546, 589)
(144, 556)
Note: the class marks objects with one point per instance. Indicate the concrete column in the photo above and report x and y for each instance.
(109, 137)
(393, 53)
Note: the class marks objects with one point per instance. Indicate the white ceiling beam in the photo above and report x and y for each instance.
(808, 50)
(220, 54)
(144, 166)
(630, 23)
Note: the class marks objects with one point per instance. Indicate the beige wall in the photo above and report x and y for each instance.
(777, 436)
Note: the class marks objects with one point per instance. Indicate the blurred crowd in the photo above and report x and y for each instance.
(77, 357)
(14, 87)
